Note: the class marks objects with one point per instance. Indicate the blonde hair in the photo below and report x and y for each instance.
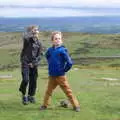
(54, 33)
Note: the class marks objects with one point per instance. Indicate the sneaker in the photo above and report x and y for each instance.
(24, 100)
(43, 107)
(77, 109)
(31, 99)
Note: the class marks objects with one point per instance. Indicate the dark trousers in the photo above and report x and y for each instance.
(29, 77)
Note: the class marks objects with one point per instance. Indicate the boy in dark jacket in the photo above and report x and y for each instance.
(30, 58)
(59, 62)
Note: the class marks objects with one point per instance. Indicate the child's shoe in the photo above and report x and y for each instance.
(31, 99)
(77, 109)
(24, 100)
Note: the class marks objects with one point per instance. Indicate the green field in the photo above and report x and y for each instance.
(95, 81)
(80, 45)
(99, 98)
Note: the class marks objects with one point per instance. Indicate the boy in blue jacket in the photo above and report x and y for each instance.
(59, 62)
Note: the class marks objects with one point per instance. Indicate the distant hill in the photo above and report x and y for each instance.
(101, 24)
(84, 48)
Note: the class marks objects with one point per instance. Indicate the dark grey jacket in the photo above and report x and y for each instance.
(31, 52)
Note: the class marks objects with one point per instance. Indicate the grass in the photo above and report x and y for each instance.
(79, 45)
(99, 98)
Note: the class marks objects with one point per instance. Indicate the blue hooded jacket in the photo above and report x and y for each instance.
(59, 61)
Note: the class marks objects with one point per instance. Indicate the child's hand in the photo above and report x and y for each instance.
(31, 65)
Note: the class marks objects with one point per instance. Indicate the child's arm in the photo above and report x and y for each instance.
(36, 61)
(47, 54)
(25, 44)
(68, 61)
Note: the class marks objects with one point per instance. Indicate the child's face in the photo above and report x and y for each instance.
(57, 40)
(35, 32)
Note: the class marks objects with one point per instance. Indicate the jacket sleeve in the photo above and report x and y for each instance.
(68, 61)
(36, 61)
(25, 44)
(47, 54)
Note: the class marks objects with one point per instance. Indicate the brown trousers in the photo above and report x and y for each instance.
(63, 83)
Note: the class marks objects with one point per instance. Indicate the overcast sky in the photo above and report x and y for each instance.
(58, 8)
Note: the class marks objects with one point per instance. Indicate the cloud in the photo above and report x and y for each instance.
(55, 12)
(64, 3)
(58, 8)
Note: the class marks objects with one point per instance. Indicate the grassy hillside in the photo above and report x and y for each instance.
(94, 79)
(80, 45)
(99, 97)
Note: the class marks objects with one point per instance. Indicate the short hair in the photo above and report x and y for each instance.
(29, 31)
(54, 33)
(30, 28)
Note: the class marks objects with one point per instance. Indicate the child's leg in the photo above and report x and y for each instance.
(33, 74)
(25, 79)
(52, 84)
(62, 81)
